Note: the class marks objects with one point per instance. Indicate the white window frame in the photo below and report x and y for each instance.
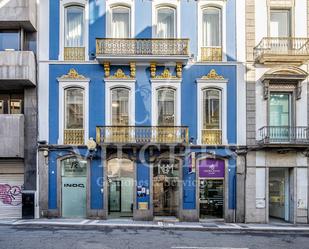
(203, 84)
(202, 5)
(111, 84)
(63, 5)
(172, 4)
(220, 99)
(157, 84)
(63, 85)
(114, 4)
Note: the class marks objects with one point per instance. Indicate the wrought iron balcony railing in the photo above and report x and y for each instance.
(142, 134)
(74, 54)
(280, 49)
(144, 47)
(284, 135)
(212, 136)
(74, 137)
(211, 54)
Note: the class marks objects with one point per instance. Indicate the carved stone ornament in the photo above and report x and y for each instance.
(120, 75)
(153, 69)
(73, 75)
(179, 69)
(132, 69)
(107, 69)
(166, 75)
(212, 75)
(266, 89)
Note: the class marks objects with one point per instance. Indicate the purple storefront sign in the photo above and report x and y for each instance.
(211, 168)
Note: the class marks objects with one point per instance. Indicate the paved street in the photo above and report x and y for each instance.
(106, 238)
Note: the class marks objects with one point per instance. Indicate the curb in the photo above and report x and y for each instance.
(75, 226)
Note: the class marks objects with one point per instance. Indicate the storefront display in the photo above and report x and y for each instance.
(211, 188)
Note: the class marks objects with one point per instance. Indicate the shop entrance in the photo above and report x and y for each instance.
(211, 188)
(74, 182)
(211, 198)
(120, 175)
(279, 193)
(166, 187)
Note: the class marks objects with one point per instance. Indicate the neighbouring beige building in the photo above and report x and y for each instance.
(276, 162)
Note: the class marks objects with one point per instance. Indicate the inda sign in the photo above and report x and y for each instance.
(211, 168)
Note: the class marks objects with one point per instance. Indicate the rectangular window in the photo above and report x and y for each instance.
(15, 106)
(74, 108)
(9, 40)
(74, 26)
(120, 106)
(11, 103)
(121, 22)
(280, 116)
(280, 23)
(166, 107)
(212, 27)
(166, 23)
(280, 109)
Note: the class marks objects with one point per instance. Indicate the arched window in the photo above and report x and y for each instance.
(74, 108)
(74, 26)
(211, 109)
(166, 22)
(120, 106)
(166, 107)
(121, 20)
(211, 27)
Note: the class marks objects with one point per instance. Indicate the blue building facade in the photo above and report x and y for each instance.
(141, 109)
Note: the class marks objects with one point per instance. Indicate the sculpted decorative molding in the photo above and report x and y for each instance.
(166, 75)
(72, 75)
(212, 75)
(120, 75)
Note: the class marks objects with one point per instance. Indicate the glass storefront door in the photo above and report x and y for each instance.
(114, 195)
(211, 198)
(279, 193)
(120, 175)
(74, 182)
(166, 188)
(211, 188)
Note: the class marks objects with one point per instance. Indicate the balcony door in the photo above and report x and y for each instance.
(280, 23)
(211, 35)
(280, 116)
(166, 25)
(166, 107)
(121, 22)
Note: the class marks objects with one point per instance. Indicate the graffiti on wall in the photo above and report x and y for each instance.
(10, 195)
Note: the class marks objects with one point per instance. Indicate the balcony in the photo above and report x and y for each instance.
(17, 69)
(18, 14)
(158, 50)
(11, 135)
(74, 137)
(142, 135)
(74, 53)
(297, 135)
(282, 50)
(212, 136)
(211, 54)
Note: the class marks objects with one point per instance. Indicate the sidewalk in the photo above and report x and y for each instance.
(127, 223)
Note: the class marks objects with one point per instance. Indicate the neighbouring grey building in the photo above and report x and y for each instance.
(18, 105)
(276, 163)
